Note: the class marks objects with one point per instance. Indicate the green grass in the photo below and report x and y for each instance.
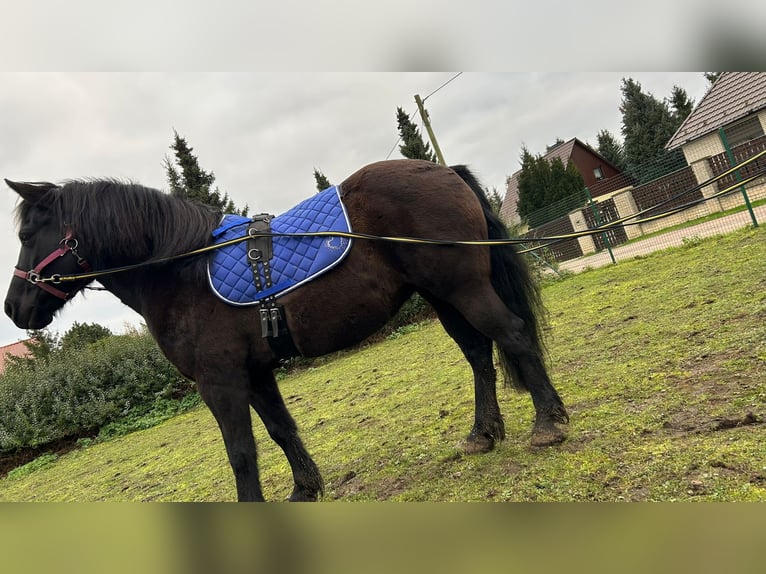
(661, 362)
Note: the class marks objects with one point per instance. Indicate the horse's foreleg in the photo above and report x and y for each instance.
(268, 403)
(231, 410)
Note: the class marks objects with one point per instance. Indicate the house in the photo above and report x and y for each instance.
(18, 349)
(732, 113)
(595, 170)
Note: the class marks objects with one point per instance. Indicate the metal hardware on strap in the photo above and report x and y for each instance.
(260, 241)
(275, 330)
(264, 322)
(259, 253)
(275, 317)
(34, 276)
(272, 320)
(260, 249)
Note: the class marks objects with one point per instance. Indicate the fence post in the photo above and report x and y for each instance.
(587, 245)
(597, 217)
(626, 206)
(733, 162)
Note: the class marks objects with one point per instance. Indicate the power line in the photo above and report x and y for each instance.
(424, 99)
(444, 84)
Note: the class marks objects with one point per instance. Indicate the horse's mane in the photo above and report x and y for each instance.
(123, 222)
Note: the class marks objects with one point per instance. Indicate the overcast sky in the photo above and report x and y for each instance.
(262, 134)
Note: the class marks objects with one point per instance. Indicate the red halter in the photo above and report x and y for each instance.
(66, 245)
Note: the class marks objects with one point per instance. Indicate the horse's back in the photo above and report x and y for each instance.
(412, 198)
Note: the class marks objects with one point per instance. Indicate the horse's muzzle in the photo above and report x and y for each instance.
(33, 318)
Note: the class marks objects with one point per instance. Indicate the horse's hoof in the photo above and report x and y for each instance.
(303, 496)
(477, 444)
(547, 436)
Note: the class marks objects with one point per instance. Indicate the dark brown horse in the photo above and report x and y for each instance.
(481, 294)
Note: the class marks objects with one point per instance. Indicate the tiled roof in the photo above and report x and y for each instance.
(563, 151)
(733, 96)
(14, 349)
(511, 199)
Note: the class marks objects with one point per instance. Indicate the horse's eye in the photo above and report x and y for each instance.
(25, 237)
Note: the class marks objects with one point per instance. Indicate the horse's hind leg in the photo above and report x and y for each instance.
(487, 313)
(488, 425)
(268, 403)
(231, 410)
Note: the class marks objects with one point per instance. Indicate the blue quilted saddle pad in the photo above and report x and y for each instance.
(296, 260)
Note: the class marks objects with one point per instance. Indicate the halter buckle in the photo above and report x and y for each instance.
(70, 243)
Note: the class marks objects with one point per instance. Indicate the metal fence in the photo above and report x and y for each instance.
(680, 203)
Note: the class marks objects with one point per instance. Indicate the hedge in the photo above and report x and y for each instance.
(75, 392)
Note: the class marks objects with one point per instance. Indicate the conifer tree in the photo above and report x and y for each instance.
(681, 105)
(611, 149)
(413, 146)
(192, 182)
(647, 125)
(712, 76)
(494, 198)
(543, 182)
(321, 180)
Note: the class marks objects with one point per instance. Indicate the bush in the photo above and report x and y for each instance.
(414, 310)
(81, 391)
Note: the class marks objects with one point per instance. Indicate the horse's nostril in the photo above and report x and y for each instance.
(8, 309)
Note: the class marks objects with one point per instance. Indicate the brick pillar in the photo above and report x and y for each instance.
(703, 172)
(579, 224)
(626, 206)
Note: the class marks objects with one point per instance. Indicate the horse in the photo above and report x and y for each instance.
(484, 295)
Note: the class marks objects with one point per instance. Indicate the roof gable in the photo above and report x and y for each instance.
(562, 151)
(733, 96)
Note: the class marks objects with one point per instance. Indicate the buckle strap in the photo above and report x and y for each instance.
(260, 250)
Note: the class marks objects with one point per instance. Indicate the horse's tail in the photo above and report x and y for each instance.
(513, 283)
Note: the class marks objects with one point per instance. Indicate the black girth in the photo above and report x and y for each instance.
(259, 254)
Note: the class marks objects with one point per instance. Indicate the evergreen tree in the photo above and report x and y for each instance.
(494, 198)
(413, 147)
(611, 149)
(681, 105)
(321, 180)
(529, 185)
(192, 182)
(712, 76)
(647, 125)
(543, 182)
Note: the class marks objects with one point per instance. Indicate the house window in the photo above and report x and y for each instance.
(598, 173)
(743, 131)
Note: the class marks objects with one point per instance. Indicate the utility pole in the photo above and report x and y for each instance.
(431, 136)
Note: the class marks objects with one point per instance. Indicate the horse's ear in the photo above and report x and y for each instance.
(31, 191)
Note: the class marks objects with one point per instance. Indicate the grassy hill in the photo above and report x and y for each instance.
(661, 362)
